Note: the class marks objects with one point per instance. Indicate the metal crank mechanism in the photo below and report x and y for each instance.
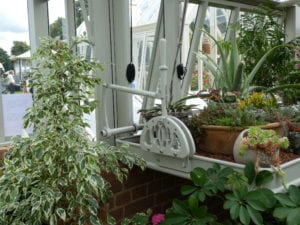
(165, 135)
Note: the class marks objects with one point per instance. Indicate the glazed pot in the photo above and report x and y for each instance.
(265, 160)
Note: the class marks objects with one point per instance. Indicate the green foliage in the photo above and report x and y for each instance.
(263, 30)
(247, 205)
(19, 47)
(138, 219)
(242, 194)
(228, 74)
(5, 60)
(55, 29)
(206, 182)
(175, 108)
(263, 140)
(289, 207)
(223, 114)
(54, 176)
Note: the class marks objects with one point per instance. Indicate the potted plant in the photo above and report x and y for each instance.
(55, 176)
(216, 127)
(178, 109)
(260, 146)
(228, 73)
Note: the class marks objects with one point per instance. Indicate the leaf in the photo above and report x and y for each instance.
(46, 208)
(257, 205)
(201, 196)
(228, 204)
(281, 212)
(263, 177)
(179, 207)
(294, 194)
(199, 176)
(111, 220)
(82, 164)
(187, 189)
(53, 220)
(244, 216)
(36, 191)
(263, 196)
(175, 219)
(249, 172)
(94, 220)
(284, 200)
(193, 204)
(255, 215)
(82, 220)
(234, 211)
(93, 202)
(61, 213)
(293, 217)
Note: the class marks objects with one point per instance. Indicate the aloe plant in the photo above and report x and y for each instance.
(228, 73)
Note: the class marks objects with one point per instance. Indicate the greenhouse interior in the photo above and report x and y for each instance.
(147, 112)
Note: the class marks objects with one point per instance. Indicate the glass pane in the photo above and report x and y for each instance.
(14, 98)
(57, 19)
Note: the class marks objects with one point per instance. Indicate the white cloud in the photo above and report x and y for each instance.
(14, 20)
(56, 9)
(13, 23)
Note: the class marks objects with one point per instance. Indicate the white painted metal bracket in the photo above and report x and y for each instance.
(167, 135)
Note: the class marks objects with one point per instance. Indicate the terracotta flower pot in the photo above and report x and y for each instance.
(220, 139)
(206, 46)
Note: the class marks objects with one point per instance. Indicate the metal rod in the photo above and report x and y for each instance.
(107, 132)
(133, 91)
(163, 72)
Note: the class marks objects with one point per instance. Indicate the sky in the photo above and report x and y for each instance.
(14, 21)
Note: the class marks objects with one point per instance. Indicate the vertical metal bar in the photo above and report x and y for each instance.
(121, 38)
(70, 16)
(234, 16)
(201, 13)
(38, 22)
(163, 72)
(102, 51)
(292, 21)
(2, 137)
(172, 36)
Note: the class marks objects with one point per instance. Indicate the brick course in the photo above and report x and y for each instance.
(143, 190)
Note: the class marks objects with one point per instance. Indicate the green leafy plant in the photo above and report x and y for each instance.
(54, 176)
(289, 208)
(263, 28)
(229, 75)
(243, 196)
(178, 108)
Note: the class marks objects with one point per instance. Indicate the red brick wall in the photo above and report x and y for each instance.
(143, 190)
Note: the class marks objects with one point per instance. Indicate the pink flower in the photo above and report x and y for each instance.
(157, 218)
(298, 65)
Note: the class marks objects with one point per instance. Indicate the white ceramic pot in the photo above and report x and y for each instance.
(265, 160)
(249, 156)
